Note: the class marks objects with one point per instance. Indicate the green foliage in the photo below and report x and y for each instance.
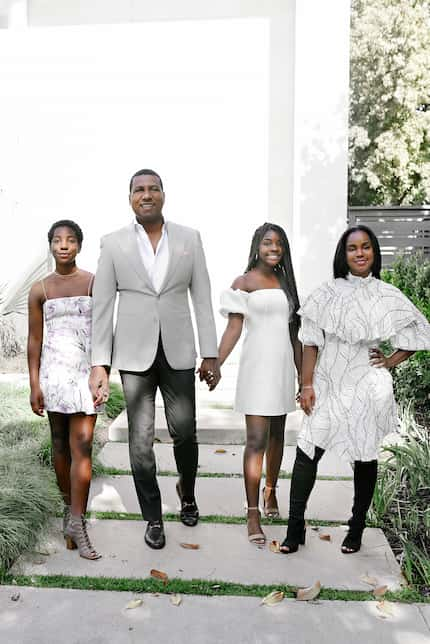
(389, 102)
(116, 402)
(411, 274)
(401, 504)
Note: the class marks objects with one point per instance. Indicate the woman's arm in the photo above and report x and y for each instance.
(307, 394)
(297, 351)
(34, 346)
(230, 336)
(378, 360)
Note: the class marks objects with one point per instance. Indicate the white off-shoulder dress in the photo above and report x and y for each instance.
(266, 377)
(355, 406)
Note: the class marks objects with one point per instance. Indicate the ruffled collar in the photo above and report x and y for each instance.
(356, 280)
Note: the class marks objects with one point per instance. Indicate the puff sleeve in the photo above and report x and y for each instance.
(234, 301)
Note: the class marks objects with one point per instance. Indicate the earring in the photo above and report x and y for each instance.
(256, 257)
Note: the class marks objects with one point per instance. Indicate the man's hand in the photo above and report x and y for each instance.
(307, 399)
(99, 385)
(210, 372)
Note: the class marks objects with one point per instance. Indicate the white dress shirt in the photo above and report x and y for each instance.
(155, 263)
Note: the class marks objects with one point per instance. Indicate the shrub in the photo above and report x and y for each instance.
(9, 343)
(411, 274)
(116, 402)
(401, 504)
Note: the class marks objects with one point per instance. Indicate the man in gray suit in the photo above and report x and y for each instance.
(152, 264)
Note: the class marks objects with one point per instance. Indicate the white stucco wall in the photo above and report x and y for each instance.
(295, 156)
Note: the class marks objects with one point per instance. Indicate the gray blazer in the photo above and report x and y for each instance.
(142, 312)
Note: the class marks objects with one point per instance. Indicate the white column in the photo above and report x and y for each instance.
(320, 136)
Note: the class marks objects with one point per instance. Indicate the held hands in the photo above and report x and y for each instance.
(307, 399)
(99, 385)
(210, 372)
(36, 401)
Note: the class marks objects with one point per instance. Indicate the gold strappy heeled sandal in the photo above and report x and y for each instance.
(269, 513)
(77, 537)
(258, 538)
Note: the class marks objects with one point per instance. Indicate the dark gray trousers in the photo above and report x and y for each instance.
(177, 388)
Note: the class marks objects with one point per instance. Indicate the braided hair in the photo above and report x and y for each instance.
(283, 270)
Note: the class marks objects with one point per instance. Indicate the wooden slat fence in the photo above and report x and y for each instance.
(400, 229)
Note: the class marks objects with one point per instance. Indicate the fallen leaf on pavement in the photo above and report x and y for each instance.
(134, 603)
(190, 546)
(220, 451)
(176, 599)
(380, 591)
(315, 528)
(158, 574)
(273, 598)
(275, 546)
(307, 594)
(15, 597)
(325, 537)
(372, 581)
(385, 608)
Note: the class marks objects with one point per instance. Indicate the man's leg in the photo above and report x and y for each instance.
(177, 387)
(139, 391)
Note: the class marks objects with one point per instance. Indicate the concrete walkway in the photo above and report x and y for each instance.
(50, 616)
(224, 554)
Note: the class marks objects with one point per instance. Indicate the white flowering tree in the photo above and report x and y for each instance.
(389, 141)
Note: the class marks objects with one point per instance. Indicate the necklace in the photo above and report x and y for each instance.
(68, 274)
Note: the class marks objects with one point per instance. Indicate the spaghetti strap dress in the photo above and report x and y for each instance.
(266, 377)
(65, 361)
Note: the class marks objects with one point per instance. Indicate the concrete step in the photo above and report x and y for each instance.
(225, 554)
(329, 501)
(229, 462)
(215, 425)
(40, 613)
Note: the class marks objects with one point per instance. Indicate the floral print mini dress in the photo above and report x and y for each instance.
(65, 362)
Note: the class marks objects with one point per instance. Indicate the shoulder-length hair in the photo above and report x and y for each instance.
(283, 270)
(340, 265)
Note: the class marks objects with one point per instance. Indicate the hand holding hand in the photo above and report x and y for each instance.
(307, 399)
(99, 385)
(210, 372)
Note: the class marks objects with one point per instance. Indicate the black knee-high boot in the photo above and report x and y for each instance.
(302, 482)
(365, 475)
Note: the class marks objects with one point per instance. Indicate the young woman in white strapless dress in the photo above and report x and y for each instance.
(59, 365)
(265, 299)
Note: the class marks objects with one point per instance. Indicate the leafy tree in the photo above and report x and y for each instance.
(390, 102)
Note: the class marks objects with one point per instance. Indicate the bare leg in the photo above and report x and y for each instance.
(274, 454)
(81, 441)
(257, 429)
(61, 457)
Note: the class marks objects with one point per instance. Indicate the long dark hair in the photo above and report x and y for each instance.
(283, 270)
(340, 265)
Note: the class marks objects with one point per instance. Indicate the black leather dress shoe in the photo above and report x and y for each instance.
(154, 535)
(189, 513)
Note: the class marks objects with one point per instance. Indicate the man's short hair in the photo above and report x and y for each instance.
(145, 171)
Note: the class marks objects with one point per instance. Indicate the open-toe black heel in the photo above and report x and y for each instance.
(352, 541)
(293, 543)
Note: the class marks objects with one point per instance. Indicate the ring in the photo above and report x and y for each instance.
(210, 373)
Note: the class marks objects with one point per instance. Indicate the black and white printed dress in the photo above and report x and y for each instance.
(355, 406)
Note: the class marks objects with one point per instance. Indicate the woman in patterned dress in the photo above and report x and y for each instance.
(347, 392)
(59, 366)
(265, 301)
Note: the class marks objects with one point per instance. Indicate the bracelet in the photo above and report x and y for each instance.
(307, 387)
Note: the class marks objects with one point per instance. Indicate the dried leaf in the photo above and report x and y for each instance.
(190, 546)
(134, 603)
(273, 598)
(158, 574)
(220, 451)
(325, 537)
(385, 608)
(176, 599)
(372, 581)
(307, 594)
(315, 528)
(275, 546)
(15, 597)
(380, 591)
